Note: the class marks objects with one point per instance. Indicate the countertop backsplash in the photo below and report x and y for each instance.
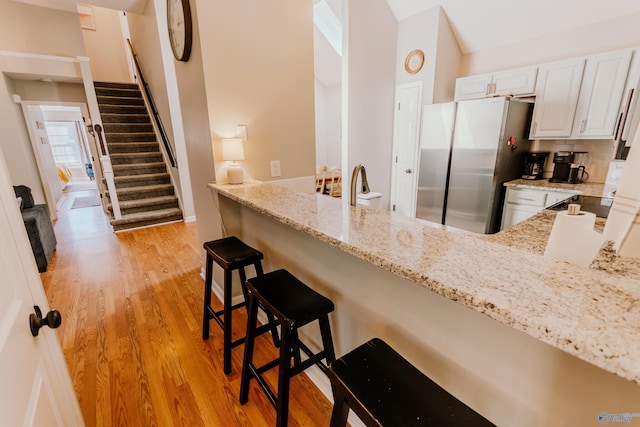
(600, 151)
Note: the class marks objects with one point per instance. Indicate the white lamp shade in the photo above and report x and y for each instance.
(232, 149)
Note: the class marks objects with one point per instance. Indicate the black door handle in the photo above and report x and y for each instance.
(36, 321)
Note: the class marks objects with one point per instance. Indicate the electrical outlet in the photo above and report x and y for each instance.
(275, 168)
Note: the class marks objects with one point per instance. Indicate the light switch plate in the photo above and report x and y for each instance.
(275, 168)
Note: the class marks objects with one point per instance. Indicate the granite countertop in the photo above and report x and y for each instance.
(587, 188)
(592, 313)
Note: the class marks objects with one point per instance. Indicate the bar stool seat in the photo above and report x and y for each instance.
(294, 305)
(384, 389)
(230, 253)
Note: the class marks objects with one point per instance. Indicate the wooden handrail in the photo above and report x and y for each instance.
(152, 106)
(103, 149)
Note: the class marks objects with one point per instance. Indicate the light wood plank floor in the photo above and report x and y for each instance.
(131, 331)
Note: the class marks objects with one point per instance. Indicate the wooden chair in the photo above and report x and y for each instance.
(334, 181)
(321, 177)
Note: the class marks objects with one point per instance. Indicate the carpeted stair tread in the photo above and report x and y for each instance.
(124, 118)
(146, 205)
(132, 158)
(133, 147)
(127, 127)
(128, 181)
(143, 191)
(151, 201)
(122, 109)
(118, 100)
(144, 219)
(99, 84)
(130, 137)
(139, 168)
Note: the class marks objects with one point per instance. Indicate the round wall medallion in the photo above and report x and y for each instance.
(414, 61)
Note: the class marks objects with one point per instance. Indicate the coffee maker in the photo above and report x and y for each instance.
(534, 165)
(568, 167)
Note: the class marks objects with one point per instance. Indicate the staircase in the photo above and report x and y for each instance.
(143, 185)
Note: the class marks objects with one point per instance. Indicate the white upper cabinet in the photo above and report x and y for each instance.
(603, 84)
(557, 90)
(473, 87)
(517, 82)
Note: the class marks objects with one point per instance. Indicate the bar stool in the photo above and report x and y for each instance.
(230, 253)
(384, 389)
(294, 305)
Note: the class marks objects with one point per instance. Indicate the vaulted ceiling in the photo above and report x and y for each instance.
(485, 24)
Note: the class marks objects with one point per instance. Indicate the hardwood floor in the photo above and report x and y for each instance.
(131, 331)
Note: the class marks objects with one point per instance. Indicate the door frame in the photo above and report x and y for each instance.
(396, 143)
(33, 137)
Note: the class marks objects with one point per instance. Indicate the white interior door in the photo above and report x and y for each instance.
(51, 183)
(406, 131)
(35, 387)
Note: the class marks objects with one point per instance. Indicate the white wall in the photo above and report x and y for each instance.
(105, 46)
(419, 32)
(370, 88)
(27, 29)
(328, 128)
(258, 68)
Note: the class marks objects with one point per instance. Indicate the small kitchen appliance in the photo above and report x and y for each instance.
(568, 167)
(561, 166)
(534, 165)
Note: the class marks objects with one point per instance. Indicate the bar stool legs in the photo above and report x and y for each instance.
(294, 305)
(231, 254)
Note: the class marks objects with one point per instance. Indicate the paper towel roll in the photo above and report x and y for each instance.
(573, 238)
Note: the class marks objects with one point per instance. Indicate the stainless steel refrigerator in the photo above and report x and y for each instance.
(468, 150)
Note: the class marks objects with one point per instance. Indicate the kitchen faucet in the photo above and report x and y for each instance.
(354, 178)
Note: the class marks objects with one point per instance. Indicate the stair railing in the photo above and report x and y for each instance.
(107, 172)
(152, 106)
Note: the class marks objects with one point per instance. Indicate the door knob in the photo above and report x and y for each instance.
(408, 170)
(53, 319)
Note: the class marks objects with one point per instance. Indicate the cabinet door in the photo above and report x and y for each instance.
(473, 87)
(554, 197)
(521, 81)
(514, 214)
(632, 87)
(557, 90)
(603, 82)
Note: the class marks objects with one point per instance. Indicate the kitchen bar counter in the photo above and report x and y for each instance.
(591, 313)
(532, 234)
(586, 189)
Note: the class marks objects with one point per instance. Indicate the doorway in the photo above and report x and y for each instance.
(64, 152)
(405, 148)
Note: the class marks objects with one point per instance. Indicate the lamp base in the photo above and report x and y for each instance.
(235, 174)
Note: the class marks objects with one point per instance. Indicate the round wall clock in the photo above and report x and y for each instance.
(414, 61)
(180, 28)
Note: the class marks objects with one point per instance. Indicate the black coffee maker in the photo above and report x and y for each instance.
(534, 165)
(568, 168)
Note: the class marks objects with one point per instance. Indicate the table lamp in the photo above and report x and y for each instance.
(232, 150)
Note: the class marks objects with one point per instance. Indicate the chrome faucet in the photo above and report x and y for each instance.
(354, 178)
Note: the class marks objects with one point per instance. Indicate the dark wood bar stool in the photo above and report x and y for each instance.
(230, 253)
(384, 389)
(294, 305)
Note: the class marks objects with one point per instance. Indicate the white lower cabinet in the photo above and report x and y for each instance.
(523, 203)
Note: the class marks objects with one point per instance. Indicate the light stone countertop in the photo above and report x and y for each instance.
(587, 188)
(592, 313)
